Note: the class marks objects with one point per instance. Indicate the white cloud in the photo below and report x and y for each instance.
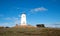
(15, 19)
(8, 18)
(9, 24)
(49, 25)
(39, 9)
(4, 24)
(12, 21)
(57, 22)
(11, 18)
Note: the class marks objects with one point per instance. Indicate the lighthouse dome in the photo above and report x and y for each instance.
(23, 15)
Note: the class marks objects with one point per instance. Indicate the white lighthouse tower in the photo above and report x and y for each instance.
(23, 19)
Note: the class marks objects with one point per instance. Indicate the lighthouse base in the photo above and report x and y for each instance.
(24, 26)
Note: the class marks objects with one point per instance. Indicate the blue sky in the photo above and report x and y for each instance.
(38, 12)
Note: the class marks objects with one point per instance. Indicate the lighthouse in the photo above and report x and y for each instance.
(23, 19)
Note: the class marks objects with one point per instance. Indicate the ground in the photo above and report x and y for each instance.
(30, 31)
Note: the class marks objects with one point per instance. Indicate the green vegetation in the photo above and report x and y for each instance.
(29, 32)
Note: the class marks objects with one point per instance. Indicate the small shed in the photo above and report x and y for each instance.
(40, 25)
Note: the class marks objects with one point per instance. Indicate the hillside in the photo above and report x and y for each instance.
(29, 32)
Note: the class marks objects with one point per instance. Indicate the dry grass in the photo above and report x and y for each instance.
(29, 32)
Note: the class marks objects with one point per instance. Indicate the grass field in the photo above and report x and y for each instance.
(29, 32)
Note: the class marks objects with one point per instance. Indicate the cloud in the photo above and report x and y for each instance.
(15, 19)
(12, 21)
(9, 24)
(8, 18)
(39, 9)
(4, 24)
(11, 18)
(50, 25)
(57, 22)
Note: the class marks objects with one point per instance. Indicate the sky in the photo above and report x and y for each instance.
(45, 12)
